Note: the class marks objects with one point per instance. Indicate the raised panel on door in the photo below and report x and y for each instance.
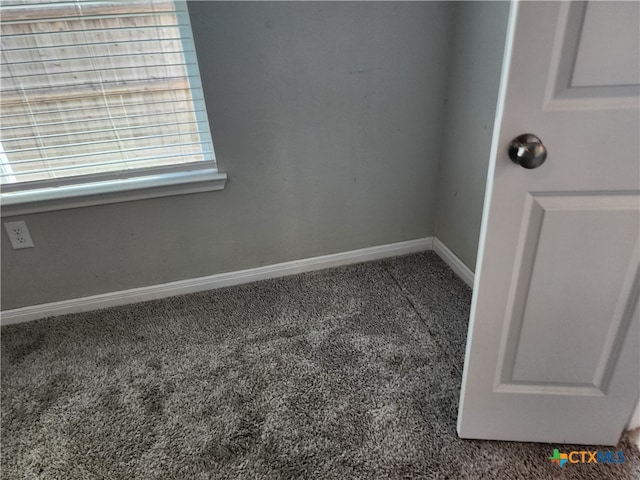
(596, 59)
(572, 291)
(616, 61)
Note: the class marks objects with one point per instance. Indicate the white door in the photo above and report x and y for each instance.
(553, 347)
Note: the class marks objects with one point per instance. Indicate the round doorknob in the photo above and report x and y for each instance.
(528, 151)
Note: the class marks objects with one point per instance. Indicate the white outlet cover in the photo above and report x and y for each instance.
(19, 235)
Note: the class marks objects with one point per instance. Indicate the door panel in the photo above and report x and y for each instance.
(548, 303)
(553, 352)
(595, 57)
(616, 61)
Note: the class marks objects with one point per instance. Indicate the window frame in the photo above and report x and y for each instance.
(136, 184)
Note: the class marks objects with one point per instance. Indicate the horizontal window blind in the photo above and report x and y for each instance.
(91, 88)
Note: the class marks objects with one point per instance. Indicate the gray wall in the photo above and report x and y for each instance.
(327, 118)
(478, 45)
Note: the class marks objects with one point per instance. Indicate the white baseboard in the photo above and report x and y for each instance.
(634, 423)
(153, 292)
(634, 426)
(454, 262)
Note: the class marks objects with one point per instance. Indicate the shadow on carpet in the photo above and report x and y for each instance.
(348, 373)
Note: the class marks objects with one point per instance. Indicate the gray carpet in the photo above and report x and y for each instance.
(348, 373)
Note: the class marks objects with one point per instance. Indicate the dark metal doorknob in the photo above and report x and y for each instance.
(528, 151)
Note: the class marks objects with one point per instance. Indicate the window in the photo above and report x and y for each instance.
(100, 97)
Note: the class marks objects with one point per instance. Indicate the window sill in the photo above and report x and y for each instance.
(112, 191)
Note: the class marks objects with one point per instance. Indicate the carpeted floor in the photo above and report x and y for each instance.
(348, 373)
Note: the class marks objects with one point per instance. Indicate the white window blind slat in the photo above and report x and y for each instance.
(84, 16)
(105, 152)
(54, 10)
(151, 160)
(132, 83)
(159, 55)
(178, 102)
(95, 43)
(91, 88)
(105, 130)
(102, 30)
(77, 72)
(122, 141)
(84, 120)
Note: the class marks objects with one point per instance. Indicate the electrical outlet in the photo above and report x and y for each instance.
(19, 235)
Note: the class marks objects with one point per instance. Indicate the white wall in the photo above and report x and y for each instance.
(327, 118)
(478, 44)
